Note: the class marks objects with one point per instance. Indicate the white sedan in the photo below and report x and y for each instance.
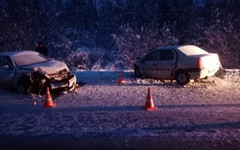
(31, 72)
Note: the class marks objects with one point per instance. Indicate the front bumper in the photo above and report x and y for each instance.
(65, 84)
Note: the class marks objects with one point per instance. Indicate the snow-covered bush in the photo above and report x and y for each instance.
(88, 58)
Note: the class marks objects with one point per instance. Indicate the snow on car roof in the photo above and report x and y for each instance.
(13, 53)
(23, 58)
(186, 49)
(191, 50)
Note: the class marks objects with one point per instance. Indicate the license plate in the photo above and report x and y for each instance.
(59, 85)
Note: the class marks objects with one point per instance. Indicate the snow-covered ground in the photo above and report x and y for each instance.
(208, 109)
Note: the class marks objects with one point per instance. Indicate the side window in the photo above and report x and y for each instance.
(152, 56)
(4, 64)
(167, 55)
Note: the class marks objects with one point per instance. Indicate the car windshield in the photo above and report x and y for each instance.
(192, 50)
(28, 59)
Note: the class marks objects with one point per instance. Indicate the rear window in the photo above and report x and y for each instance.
(28, 59)
(192, 50)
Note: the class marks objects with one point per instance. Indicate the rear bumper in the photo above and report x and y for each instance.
(202, 73)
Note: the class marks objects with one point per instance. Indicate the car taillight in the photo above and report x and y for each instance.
(199, 63)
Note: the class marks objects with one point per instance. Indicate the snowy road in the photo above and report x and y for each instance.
(202, 115)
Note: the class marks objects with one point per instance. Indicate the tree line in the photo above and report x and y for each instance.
(123, 28)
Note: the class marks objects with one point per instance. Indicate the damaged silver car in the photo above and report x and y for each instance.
(31, 72)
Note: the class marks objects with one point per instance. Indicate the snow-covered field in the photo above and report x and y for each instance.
(207, 109)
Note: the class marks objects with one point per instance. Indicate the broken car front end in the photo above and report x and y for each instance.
(61, 80)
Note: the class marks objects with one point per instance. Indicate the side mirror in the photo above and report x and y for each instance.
(6, 67)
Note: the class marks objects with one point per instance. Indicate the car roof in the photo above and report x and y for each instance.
(14, 53)
(185, 49)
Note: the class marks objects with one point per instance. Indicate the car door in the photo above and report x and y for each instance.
(6, 72)
(149, 64)
(166, 63)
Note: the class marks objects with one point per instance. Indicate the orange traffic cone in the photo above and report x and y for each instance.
(120, 79)
(48, 102)
(149, 102)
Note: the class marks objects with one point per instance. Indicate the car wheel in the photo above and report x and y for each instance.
(137, 72)
(23, 87)
(182, 78)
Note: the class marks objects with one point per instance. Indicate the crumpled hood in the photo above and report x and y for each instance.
(48, 67)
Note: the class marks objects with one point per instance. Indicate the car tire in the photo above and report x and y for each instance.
(182, 78)
(137, 72)
(23, 86)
